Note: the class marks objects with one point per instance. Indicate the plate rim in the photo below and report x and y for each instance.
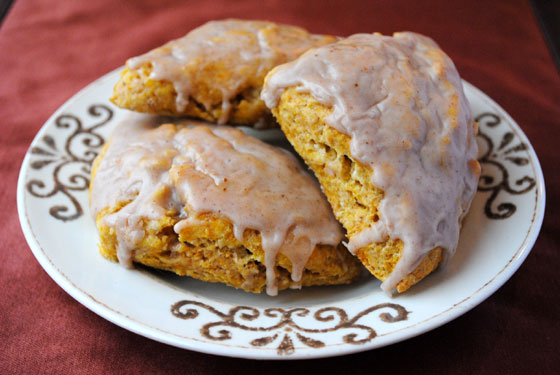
(332, 350)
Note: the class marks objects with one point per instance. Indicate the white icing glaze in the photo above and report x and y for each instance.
(208, 169)
(234, 54)
(401, 100)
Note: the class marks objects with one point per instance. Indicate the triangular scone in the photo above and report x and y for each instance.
(384, 124)
(215, 204)
(215, 72)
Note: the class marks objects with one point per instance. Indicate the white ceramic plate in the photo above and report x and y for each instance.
(497, 236)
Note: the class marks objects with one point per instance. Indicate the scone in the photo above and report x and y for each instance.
(215, 204)
(384, 124)
(215, 72)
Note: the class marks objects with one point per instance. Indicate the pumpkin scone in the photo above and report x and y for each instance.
(384, 124)
(215, 72)
(215, 204)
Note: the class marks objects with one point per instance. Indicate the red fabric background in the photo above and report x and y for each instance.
(50, 49)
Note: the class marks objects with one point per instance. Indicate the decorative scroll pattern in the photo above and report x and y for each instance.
(495, 161)
(72, 161)
(284, 328)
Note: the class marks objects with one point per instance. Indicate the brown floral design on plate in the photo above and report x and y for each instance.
(284, 329)
(495, 161)
(72, 160)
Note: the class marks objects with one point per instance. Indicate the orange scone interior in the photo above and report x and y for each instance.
(215, 72)
(217, 205)
(384, 124)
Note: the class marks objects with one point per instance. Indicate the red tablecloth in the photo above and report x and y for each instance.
(50, 49)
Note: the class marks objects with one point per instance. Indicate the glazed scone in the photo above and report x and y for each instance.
(217, 205)
(384, 124)
(215, 72)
